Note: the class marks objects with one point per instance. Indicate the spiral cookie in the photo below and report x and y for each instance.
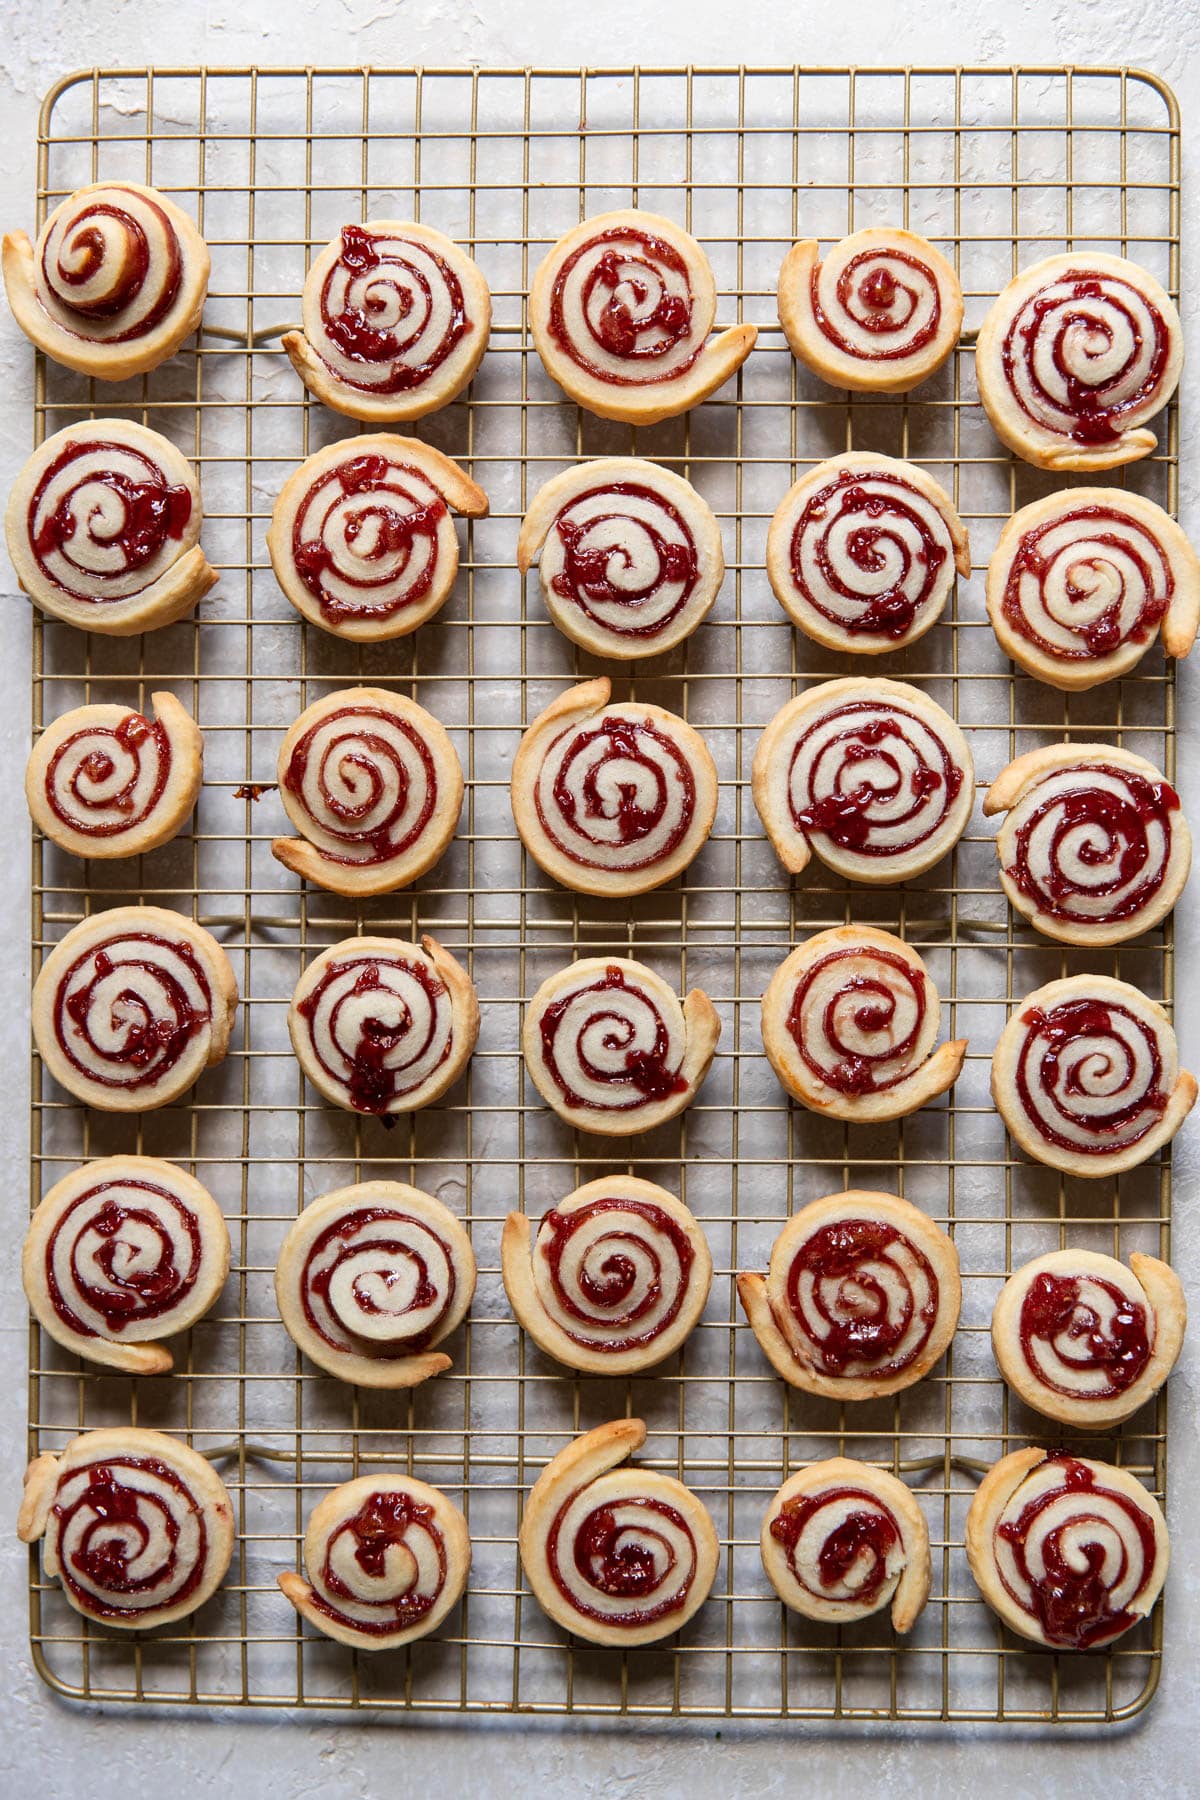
(362, 540)
(862, 553)
(373, 783)
(629, 556)
(849, 1023)
(115, 283)
(371, 1278)
(395, 322)
(131, 1006)
(387, 1559)
(871, 775)
(1069, 1552)
(1074, 357)
(380, 1026)
(842, 1540)
(610, 1047)
(123, 1252)
(614, 1554)
(105, 782)
(1082, 582)
(1086, 1076)
(138, 1527)
(880, 313)
(103, 525)
(612, 799)
(1085, 1340)
(615, 1279)
(1094, 848)
(620, 312)
(861, 1297)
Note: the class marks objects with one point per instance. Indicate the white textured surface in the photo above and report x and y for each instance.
(47, 1745)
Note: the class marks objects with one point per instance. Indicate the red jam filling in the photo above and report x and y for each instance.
(584, 576)
(862, 1329)
(620, 1561)
(363, 339)
(1122, 840)
(608, 1277)
(843, 814)
(629, 267)
(1097, 417)
(366, 754)
(97, 767)
(857, 1071)
(149, 1043)
(892, 612)
(381, 1522)
(1102, 635)
(1060, 1028)
(866, 1532)
(153, 510)
(391, 1259)
(371, 1085)
(645, 1070)
(126, 279)
(1119, 1346)
(130, 1295)
(628, 740)
(115, 1535)
(875, 313)
(391, 530)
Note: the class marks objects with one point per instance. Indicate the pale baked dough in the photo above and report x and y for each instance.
(132, 1006)
(374, 785)
(381, 1026)
(612, 799)
(611, 1048)
(1035, 1506)
(387, 1559)
(1073, 358)
(136, 1525)
(395, 320)
(1082, 582)
(614, 1279)
(1085, 1340)
(362, 540)
(883, 741)
(371, 1278)
(116, 281)
(64, 525)
(822, 1343)
(842, 1540)
(862, 553)
(849, 1024)
(1117, 1093)
(1094, 847)
(620, 311)
(653, 1514)
(104, 781)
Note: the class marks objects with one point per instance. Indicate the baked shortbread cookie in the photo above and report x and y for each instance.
(104, 781)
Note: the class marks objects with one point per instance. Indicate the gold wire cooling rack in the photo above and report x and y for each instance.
(999, 165)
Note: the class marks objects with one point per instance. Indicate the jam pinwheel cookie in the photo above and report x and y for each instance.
(1083, 581)
(121, 1253)
(860, 1299)
(1086, 1076)
(137, 1526)
(842, 1540)
(615, 1554)
(870, 775)
(387, 1558)
(629, 556)
(362, 536)
(612, 1049)
(1074, 357)
(373, 784)
(116, 280)
(1069, 1552)
(103, 781)
(612, 798)
(132, 1006)
(1085, 1340)
(620, 312)
(880, 313)
(615, 1278)
(371, 1278)
(1094, 848)
(384, 1027)
(862, 553)
(395, 321)
(103, 527)
(849, 1024)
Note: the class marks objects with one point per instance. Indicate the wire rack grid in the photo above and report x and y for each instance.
(999, 166)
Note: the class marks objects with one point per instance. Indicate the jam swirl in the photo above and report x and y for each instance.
(379, 1028)
(382, 1568)
(1084, 1336)
(1090, 1074)
(625, 556)
(105, 780)
(873, 778)
(607, 1046)
(622, 309)
(109, 266)
(616, 793)
(1084, 356)
(131, 1538)
(857, 1016)
(628, 1562)
(127, 1010)
(123, 1255)
(365, 784)
(378, 1282)
(1092, 844)
(103, 523)
(390, 312)
(367, 537)
(880, 305)
(870, 553)
(613, 1273)
(842, 1545)
(861, 1298)
(1087, 581)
